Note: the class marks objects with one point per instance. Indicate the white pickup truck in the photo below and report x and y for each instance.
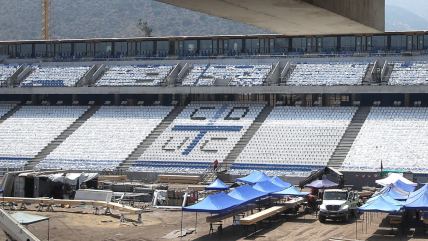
(338, 204)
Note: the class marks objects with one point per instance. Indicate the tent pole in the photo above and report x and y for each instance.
(181, 225)
(356, 228)
(196, 223)
(48, 228)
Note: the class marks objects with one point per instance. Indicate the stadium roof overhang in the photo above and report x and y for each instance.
(297, 17)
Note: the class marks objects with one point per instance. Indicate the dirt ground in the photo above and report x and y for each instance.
(81, 224)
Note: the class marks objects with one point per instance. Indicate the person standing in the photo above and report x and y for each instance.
(215, 165)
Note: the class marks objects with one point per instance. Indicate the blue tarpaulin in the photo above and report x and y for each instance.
(404, 186)
(215, 203)
(217, 185)
(247, 194)
(322, 183)
(291, 191)
(381, 204)
(418, 199)
(277, 181)
(254, 177)
(267, 186)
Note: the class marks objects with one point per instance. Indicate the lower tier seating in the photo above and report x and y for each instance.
(203, 132)
(273, 170)
(396, 137)
(30, 129)
(295, 140)
(169, 167)
(106, 139)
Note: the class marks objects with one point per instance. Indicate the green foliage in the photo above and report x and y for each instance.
(75, 19)
(144, 27)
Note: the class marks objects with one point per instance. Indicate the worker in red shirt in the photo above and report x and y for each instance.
(215, 165)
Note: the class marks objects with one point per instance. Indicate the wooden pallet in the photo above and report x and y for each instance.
(178, 179)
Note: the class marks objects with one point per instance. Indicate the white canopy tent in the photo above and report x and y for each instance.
(392, 178)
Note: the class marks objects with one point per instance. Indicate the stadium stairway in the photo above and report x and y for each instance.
(388, 72)
(10, 113)
(61, 138)
(146, 143)
(237, 149)
(287, 75)
(368, 77)
(348, 137)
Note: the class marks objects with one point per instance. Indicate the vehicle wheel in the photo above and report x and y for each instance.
(346, 218)
(321, 218)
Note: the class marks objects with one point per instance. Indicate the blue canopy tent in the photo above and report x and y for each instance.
(381, 204)
(277, 181)
(419, 200)
(322, 183)
(215, 203)
(267, 186)
(395, 192)
(387, 197)
(254, 177)
(247, 194)
(404, 186)
(217, 185)
(291, 191)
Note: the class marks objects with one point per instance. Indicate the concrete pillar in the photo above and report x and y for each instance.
(36, 187)
(117, 99)
(367, 12)
(160, 98)
(324, 99)
(74, 97)
(353, 98)
(303, 99)
(407, 100)
(35, 99)
(314, 98)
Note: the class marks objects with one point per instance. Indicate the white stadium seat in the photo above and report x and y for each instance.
(135, 75)
(293, 141)
(329, 73)
(7, 70)
(202, 133)
(235, 74)
(409, 73)
(393, 136)
(30, 129)
(106, 139)
(56, 76)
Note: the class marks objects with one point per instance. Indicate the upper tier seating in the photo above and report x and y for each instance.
(203, 132)
(30, 129)
(56, 76)
(294, 140)
(135, 75)
(195, 73)
(409, 73)
(329, 73)
(107, 138)
(397, 137)
(6, 71)
(236, 74)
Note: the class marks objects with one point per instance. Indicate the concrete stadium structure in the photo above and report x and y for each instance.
(365, 65)
(293, 17)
